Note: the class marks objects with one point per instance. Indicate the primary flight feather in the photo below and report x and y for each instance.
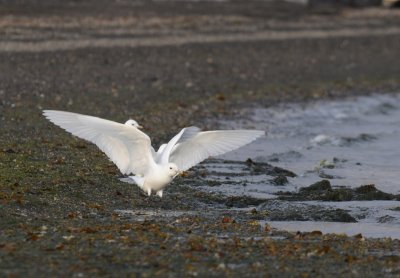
(130, 149)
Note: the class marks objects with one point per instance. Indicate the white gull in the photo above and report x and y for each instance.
(130, 149)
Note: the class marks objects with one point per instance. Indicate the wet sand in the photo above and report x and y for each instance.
(63, 209)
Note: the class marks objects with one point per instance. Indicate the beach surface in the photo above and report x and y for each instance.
(212, 64)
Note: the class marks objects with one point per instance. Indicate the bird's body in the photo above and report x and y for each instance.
(130, 149)
(156, 179)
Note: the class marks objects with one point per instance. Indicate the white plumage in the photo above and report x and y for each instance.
(130, 149)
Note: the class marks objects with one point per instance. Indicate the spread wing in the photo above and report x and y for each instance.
(126, 146)
(164, 152)
(202, 145)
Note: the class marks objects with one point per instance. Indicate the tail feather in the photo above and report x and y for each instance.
(139, 181)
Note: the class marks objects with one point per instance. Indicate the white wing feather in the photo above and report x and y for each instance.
(126, 146)
(210, 143)
(164, 152)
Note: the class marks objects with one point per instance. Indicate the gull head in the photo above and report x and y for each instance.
(173, 170)
(133, 123)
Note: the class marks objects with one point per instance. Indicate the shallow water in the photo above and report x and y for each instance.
(351, 142)
(359, 137)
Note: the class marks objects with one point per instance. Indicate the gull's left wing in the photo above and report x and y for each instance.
(164, 152)
(201, 145)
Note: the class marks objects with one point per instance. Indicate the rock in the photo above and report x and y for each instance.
(318, 186)
(338, 3)
(268, 169)
(338, 194)
(288, 211)
(365, 189)
(370, 192)
(280, 180)
(243, 201)
(386, 219)
(323, 191)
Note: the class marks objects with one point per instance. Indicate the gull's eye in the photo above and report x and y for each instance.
(170, 167)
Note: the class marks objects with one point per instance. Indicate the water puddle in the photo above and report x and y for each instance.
(350, 142)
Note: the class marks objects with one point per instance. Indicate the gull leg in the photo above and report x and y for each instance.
(149, 191)
(159, 193)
